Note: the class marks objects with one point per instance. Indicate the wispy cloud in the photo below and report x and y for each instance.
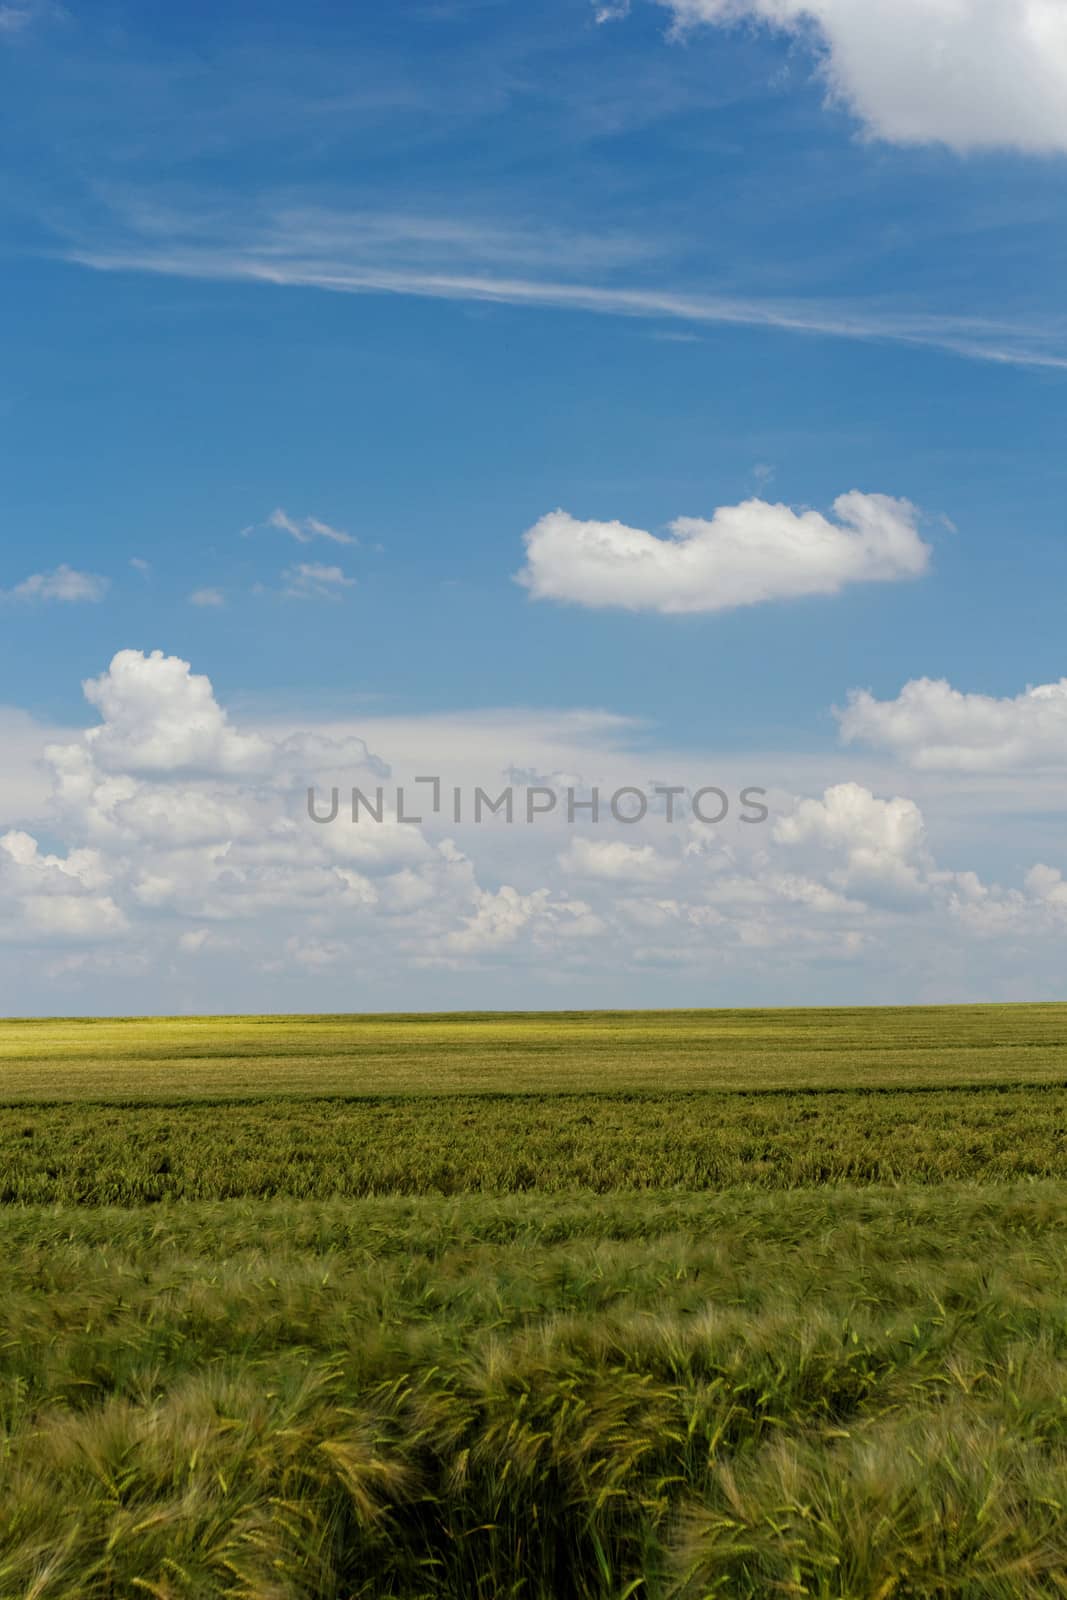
(17, 18)
(323, 250)
(64, 584)
(302, 529)
(207, 598)
(311, 580)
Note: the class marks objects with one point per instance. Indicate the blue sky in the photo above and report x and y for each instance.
(425, 274)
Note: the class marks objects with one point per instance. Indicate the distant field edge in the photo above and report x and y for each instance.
(569, 1014)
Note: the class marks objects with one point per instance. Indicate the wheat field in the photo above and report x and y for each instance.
(677, 1306)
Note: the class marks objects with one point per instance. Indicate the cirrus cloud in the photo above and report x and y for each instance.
(302, 529)
(310, 580)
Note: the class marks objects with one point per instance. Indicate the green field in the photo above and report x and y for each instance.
(667, 1305)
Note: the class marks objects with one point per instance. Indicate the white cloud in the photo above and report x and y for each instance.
(612, 860)
(1038, 911)
(971, 74)
(1047, 884)
(876, 847)
(24, 777)
(304, 529)
(55, 897)
(84, 919)
(850, 816)
(745, 554)
(934, 727)
(160, 717)
(184, 818)
(23, 855)
(188, 860)
(207, 597)
(500, 917)
(311, 580)
(64, 583)
(497, 920)
(813, 895)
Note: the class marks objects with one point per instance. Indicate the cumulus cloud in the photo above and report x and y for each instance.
(177, 845)
(82, 919)
(497, 919)
(612, 860)
(743, 555)
(934, 727)
(989, 911)
(971, 74)
(878, 844)
(49, 872)
(161, 717)
(1047, 884)
(500, 917)
(55, 897)
(63, 583)
(310, 580)
(207, 598)
(185, 824)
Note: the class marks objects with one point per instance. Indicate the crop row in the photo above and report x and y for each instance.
(101, 1154)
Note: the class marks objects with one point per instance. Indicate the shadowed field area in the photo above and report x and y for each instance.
(741, 1306)
(820, 1392)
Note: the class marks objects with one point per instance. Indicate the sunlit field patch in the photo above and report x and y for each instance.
(172, 1058)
